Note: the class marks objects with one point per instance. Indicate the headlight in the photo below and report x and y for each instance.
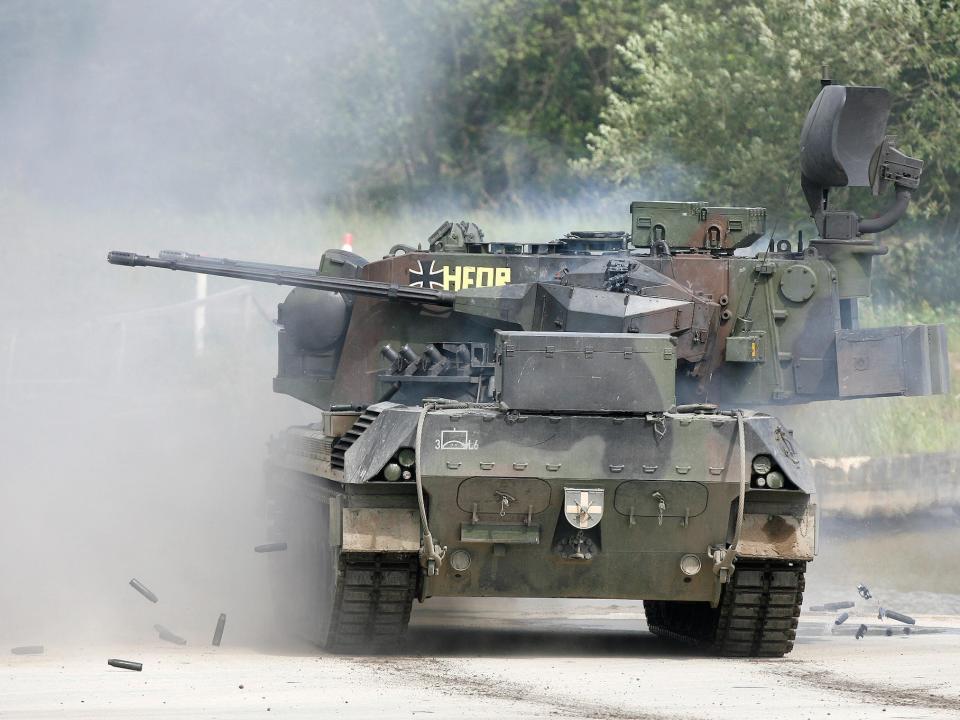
(407, 457)
(460, 560)
(762, 464)
(392, 472)
(689, 565)
(775, 480)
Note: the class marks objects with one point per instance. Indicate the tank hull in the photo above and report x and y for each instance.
(503, 494)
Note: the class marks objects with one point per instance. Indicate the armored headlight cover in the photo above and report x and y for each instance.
(407, 457)
(775, 480)
(762, 464)
(690, 565)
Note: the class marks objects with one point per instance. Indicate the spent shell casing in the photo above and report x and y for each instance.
(27, 650)
(842, 605)
(125, 664)
(143, 590)
(841, 618)
(270, 547)
(899, 617)
(168, 635)
(861, 631)
(218, 633)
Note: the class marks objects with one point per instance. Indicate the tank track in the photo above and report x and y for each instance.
(351, 603)
(371, 608)
(757, 616)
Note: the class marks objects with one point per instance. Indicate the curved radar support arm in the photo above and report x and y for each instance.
(283, 275)
(889, 218)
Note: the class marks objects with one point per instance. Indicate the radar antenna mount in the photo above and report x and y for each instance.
(844, 144)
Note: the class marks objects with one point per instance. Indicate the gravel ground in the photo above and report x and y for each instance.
(505, 659)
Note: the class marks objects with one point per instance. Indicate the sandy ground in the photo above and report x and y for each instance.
(498, 659)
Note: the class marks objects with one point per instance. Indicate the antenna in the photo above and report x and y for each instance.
(745, 322)
(825, 75)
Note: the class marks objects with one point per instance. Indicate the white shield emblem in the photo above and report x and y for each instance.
(583, 508)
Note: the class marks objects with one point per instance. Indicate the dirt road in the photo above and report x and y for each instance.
(525, 658)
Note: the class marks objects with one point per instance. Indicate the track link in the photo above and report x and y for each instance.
(757, 615)
(371, 608)
(760, 610)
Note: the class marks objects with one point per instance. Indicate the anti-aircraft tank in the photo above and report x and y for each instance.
(576, 417)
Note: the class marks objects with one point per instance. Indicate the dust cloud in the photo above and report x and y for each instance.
(243, 105)
(133, 429)
(129, 451)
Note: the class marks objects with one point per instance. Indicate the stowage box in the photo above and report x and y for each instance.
(688, 224)
(586, 372)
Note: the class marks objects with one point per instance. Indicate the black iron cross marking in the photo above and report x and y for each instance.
(426, 276)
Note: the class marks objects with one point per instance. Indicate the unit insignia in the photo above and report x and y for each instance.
(582, 507)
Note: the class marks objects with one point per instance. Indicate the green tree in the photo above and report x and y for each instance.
(499, 104)
(539, 80)
(712, 97)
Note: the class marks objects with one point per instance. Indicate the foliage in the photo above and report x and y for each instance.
(921, 269)
(713, 94)
(504, 99)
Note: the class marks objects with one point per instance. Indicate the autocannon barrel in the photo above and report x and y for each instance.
(282, 275)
